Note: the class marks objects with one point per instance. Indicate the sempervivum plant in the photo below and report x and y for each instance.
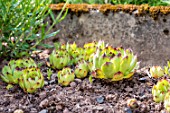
(81, 69)
(160, 89)
(120, 64)
(65, 76)
(156, 72)
(12, 72)
(167, 101)
(31, 80)
(9, 73)
(59, 60)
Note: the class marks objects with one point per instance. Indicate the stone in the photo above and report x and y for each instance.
(43, 111)
(44, 103)
(43, 94)
(100, 99)
(73, 84)
(19, 111)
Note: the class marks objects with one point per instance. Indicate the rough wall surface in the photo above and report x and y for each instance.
(148, 38)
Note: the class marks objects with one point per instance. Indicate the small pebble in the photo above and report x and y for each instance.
(143, 108)
(33, 110)
(52, 81)
(59, 107)
(158, 107)
(58, 87)
(53, 91)
(44, 103)
(127, 110)
(19, 111)
(110, 97)
(43, 111)
(143, 79)
(73, 84)
(100, 99)
(53, 76)
(78, 80)
(45, 83)
(42, 95)
(66, 111)
(129, 89)
(162, 111)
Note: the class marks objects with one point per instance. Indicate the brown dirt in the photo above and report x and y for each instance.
(83, 97)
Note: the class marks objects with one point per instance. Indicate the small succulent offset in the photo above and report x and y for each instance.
(65, 76)
(59, 60)
(160, 89)
(49, 73)
(81, 69)
(156, 72)
(31, 80)
(115, 64)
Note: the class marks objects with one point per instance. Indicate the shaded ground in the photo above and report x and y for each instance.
(83, 97)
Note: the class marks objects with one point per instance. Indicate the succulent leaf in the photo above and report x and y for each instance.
(117, 76)
(107, 69)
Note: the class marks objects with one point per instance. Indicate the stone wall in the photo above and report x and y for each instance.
(149, 38)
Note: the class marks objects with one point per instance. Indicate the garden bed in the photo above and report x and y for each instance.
(144, 29)
(83, 97)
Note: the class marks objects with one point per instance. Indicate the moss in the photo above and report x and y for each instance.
(142, 9)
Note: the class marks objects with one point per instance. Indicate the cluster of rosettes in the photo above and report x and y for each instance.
(23, 72)
(161, 91)
(99, 60)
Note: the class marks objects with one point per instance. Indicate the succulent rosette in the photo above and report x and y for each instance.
(65, 76)
(81, 69)
(9, 73)
(31, 80)
(156, 72)
(160, 89)
(115, 64)
(13, 71)
(59, 60)
(167, 101)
